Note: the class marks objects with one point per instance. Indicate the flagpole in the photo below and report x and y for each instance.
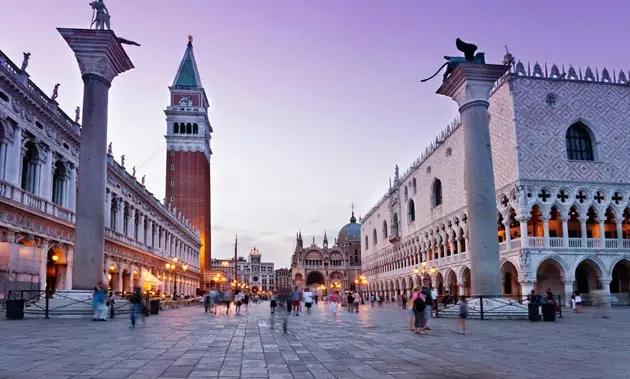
(235, 258)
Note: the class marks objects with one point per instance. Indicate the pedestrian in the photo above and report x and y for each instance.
(578, 302)
(207, 302)
(136, 306)
(273, 304)
(434, 298)
(372, 299)
(357, 299)
(380, 301)
(296, 297)
(308, 300)
(412, 316)
(419, 312)
(98, 302)
(228, 296)
(334, 301)
(403, 301)
(238, 301)
(350, 303)
(426, 291)
(246, 301)
(463, 314)
(214, 297)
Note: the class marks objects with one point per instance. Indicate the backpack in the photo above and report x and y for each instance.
(419, 304)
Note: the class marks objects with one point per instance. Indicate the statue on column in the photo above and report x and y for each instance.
(77, 116)
(451, 63)
(133, 171)
(100, 15)
(143, 177)
(109, 148)
(27, 56)
(55, 93)
(122, 160)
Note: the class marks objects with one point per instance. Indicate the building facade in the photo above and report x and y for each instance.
(39, 154)
(559, 150)
(337, 266)
(188, 151)
(259, 275)
(283, 280)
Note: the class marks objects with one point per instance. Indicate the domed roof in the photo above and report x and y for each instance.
(350, 232)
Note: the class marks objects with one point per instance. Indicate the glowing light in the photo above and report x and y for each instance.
(175, 259)
(168, 265)
(416, 271)
(112, 268)
(185, 267)
(55, 258)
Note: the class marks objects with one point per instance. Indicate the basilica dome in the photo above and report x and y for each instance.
(350, 232)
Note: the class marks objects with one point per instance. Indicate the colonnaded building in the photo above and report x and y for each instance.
(259, 275)
(560, 155)
(147, 242)
(337, 266)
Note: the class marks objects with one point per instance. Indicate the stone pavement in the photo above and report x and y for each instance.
(375, 343)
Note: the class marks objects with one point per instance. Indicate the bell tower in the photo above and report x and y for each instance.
(188, 151)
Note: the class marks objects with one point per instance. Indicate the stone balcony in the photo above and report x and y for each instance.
(24, 199)
(39, 206)
(565, 243)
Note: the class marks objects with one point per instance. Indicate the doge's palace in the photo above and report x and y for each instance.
(147, 243)
(559, 149)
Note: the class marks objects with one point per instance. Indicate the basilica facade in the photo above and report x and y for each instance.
(324, 267)
(559, 150)
(147, 243)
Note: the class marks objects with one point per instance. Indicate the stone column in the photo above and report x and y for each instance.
(523, 226)
(545, 220)
(13, 161)
(131, 223)
(3, 157)
(72, 187)
(583, 232)
(108, 208)
(43, 246)
(70, 265)
(565, 231)
(469, 85)
(47, 170)
(526, 287)
(568, 291)
(602, 234)
(101, 58)
(120, 215)
(508, 236)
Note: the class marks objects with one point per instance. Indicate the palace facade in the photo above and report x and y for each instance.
(146, 243)
(283, 280)
(259, 275)
(337, 266)
(560, 152)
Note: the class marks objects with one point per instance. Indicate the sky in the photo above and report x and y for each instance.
(313, 103)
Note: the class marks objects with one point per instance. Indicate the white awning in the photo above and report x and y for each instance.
(148, 278)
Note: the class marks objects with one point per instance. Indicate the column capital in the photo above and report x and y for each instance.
(98, 52)
(471, 82)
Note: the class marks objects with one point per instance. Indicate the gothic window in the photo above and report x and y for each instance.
(176, 128)
(436, 198)
(411, 211)
(384, 229)
(395, 225)
(406, 193)
(30, 167)
(579, 143)
(195, 128)
(136, 228)
(374, 241)
(414, 186)
(189, 128)
(126, 220)
(59, 183)
(366, 243)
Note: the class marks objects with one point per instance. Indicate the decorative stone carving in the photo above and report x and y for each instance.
(55, 92)
(25, 60)
(77, 114)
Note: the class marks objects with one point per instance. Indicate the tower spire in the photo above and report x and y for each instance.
(187, 76)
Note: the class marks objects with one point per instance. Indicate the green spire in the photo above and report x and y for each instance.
(188, 75)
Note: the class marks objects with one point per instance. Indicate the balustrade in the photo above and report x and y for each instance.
(18, 195)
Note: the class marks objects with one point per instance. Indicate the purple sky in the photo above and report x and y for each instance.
(313, 102)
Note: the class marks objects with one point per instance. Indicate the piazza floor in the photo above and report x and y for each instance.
(375, 343)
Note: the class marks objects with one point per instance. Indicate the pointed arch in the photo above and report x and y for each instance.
(436, 193)
(411, 211)
(374, 237)
(384, 229)
(176, 128)
(579, 142)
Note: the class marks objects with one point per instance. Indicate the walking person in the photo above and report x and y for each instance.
(136, 306)
(308, 300)
(296, 297)
(207, 302)
(272, 304)
(334, 301)
(238, 301)
(463, 314)
(228, 296)
(99, 299)
(357, 298)
(419, 312)
(372, 299)
(246, 301)
(403, 301)
(350, 303)
(426, 291)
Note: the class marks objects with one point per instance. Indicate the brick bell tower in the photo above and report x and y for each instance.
(188, 151)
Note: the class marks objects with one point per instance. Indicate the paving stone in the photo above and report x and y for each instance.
(372, 344)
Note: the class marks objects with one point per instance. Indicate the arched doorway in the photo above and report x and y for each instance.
(439, 284)
(467, 282)
(509, 279)
(55, 269)
(550, 274)
(620, 283)
(587, 277)
(451, 283)
(315, 278)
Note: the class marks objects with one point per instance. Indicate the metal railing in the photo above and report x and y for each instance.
(504, 302)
